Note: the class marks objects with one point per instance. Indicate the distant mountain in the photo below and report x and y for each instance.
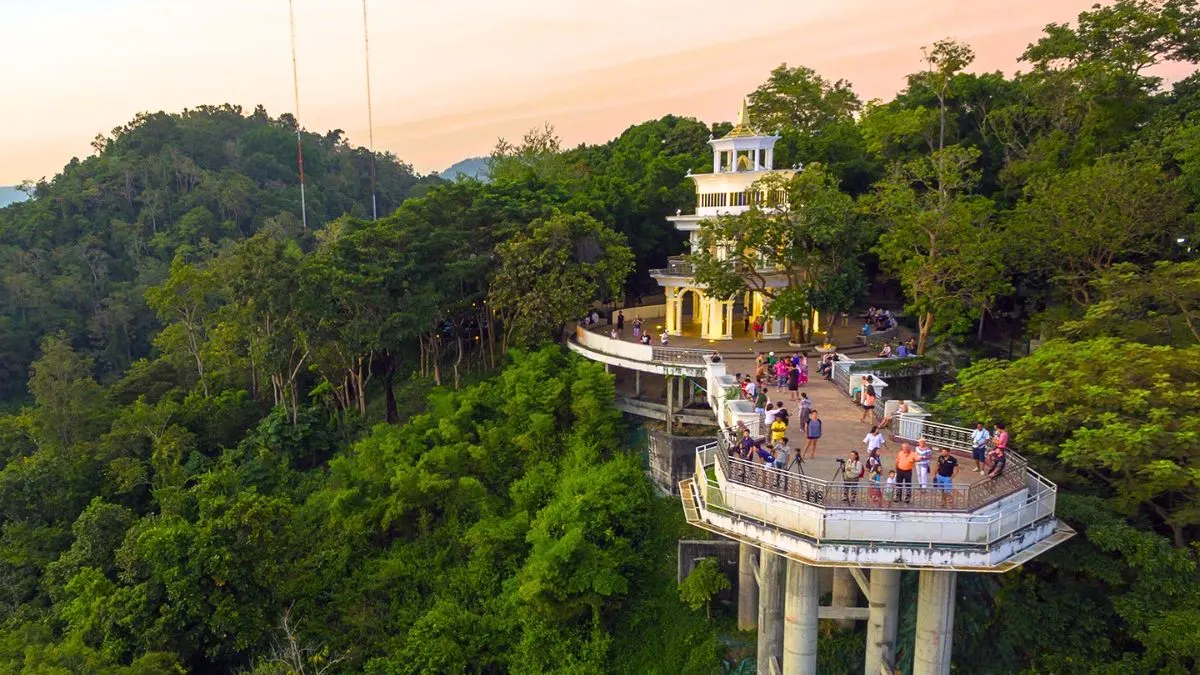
(472, 167)
(9, 195)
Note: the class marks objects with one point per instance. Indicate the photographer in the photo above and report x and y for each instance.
(852, 472)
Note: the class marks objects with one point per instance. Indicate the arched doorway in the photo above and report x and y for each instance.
(691, 317)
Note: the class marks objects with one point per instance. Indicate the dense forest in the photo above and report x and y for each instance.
(242, 438)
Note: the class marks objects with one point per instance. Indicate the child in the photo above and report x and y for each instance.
(876, 480)
(781, 371)
(889, 492)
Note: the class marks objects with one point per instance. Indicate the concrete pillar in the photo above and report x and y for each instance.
(637, 383)
(747, 588)
(935, 622)
(772, 579)
(800, 631)
(883, 619)
(668, 417)
(845, 594)
(917, 387)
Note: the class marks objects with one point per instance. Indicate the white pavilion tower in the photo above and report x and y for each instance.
(740, 158)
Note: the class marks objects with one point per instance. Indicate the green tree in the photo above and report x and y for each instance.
(550, 274)
(702, 584)
(938, 240)
(1077, 225)
(1159, 305)
(71, 406)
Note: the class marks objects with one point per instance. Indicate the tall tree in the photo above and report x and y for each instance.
(939, 240)
(1076, 225)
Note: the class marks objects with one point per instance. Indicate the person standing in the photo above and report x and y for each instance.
(905, 460)
(621, 323)
(874, 441)
(637, 328)
(947, 469)
(1000, 437)
(979, 442)
(812, 434)
(868, 404)
(778, 430)
(783, 453)
(663, 338)
(924, 455)
(853, 472)
(793, 382)
(804, 409)
(760, 400)
(875, 481)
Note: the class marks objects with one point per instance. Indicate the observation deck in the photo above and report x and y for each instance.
(979, 523)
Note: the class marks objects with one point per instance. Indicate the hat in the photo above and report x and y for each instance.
(770, 353)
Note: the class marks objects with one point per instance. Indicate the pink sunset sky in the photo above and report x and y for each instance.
(449, 78)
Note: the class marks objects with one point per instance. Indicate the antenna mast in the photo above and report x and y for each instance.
(296, 98)
(370, 117)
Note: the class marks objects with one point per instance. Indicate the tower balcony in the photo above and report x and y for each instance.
(991, 525)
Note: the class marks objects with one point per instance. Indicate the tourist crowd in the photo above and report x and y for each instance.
(922, 463)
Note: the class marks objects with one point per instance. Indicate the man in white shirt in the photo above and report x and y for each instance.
(979, 442)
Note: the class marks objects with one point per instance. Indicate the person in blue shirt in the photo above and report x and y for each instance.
(902, 350)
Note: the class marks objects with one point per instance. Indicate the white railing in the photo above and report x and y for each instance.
(820, 521)
(619, 348)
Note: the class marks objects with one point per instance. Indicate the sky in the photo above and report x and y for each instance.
(450, 77)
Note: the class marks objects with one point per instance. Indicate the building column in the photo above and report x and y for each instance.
(669, 314)
(845, 594)
(882, 621)
(772, 580)
(800, 631)
(935, 622)
(747, 588)
(678, 312)
(637, 383)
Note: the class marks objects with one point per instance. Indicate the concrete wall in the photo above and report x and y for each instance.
(726, 552)
(673, 458)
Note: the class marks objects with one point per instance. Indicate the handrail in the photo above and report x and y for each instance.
(859, 495)
(682, 355)
(932, 526)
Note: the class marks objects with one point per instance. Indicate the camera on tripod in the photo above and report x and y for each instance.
(841, 460)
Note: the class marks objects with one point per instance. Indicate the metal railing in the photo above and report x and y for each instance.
(718, 490)
(863, 495)
(682, 355)
(676, 267)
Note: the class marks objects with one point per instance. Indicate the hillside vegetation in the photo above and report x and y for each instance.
(233, 443)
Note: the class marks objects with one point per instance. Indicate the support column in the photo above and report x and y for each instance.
(772, 578)
(747, 588)
(667, 418)
(882, 621)
(935, 622)
(845, 594)
(637, 383)
(800, 631)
